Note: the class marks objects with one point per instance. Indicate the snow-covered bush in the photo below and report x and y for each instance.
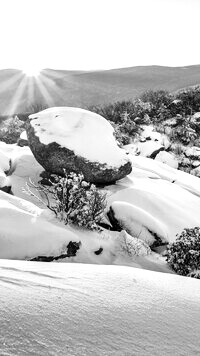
(10, 129)
(126, 131)
(74, 200)
(128, 245)
(118, 112)
(189, 100)
(184, 132)
(194, 274)
(160, 102)
(183, 255)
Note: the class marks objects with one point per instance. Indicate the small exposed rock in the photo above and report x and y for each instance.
(72, 248)
(7, 189)
(99, 251)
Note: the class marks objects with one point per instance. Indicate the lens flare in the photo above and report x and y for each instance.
(32, 71)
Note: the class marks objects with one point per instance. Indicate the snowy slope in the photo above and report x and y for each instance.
(83, 310)
(4, 166)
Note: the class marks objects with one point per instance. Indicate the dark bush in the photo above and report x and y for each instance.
(183, 255)
(189, 100)
(73, 200)
(160, 101)
(10, 129)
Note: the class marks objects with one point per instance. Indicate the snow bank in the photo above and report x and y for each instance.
(168, 158)
(148, 148)
(73, 309)
(155, 206)
(26, 231)
(87, 134)
(4, 166)
(24, 167)
(185, 180)
(149, 134)
(24, 235)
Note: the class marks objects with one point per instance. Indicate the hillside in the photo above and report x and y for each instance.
(82, 89)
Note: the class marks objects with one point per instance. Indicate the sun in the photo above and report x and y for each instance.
(32, 71)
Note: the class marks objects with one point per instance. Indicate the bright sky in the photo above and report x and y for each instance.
(98, 34)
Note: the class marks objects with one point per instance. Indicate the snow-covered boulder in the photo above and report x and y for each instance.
(77, 140)
(154, 208)
(168, 158)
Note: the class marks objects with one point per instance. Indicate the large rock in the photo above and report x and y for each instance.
(77, 140)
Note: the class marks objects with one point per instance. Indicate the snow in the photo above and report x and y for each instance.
(107, 307)
(147, 148)
(193, 152)
(26, 231)
(87, 134)
(183, 179)
(150, 142)
(196, 115)
(73, 309)
(4, 166)
(24, 235)
(168, 158)
(155, 205)
(23, 135)
(176, 101)
(149, 133)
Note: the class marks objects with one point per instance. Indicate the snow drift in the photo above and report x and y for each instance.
(73, 309)
(155, 206)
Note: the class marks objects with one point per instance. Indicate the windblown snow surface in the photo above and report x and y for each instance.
(93, 310)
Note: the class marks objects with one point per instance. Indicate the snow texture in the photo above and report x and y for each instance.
(183, 179)
(168, 158)
(87, 134)
(76, 310)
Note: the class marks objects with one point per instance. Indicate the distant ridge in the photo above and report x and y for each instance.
(86, 88)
